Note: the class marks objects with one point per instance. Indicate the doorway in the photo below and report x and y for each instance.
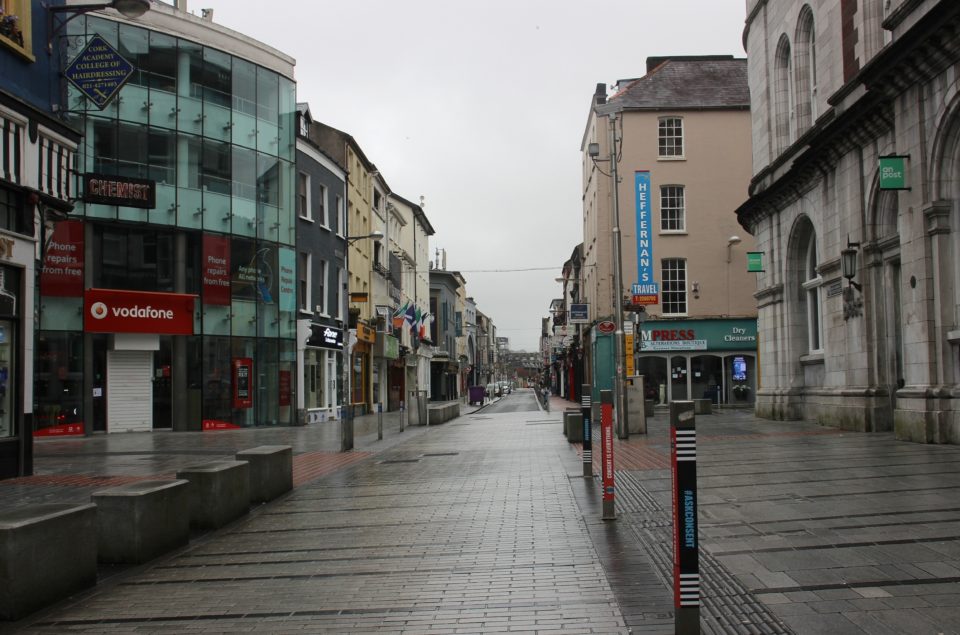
(129, 391)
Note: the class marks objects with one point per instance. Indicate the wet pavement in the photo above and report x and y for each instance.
(484, 524)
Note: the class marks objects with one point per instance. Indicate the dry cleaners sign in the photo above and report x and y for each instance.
(698, 335)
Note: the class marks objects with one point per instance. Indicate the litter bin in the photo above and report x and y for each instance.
(477, 393)
(573, 423)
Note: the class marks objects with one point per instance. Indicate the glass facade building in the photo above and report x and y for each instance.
(215, 133)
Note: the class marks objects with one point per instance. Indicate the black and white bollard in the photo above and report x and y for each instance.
(586, 404)
(686, 559)
(380, 421)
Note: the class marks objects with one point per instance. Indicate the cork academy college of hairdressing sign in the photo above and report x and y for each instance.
(99, 71)
(113, 311)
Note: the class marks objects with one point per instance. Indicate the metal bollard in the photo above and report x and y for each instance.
(585, 408)
(606, 453)
(402, 413)
(683, 454)
(380, 422)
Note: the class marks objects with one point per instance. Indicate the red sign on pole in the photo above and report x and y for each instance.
(62, 274)
(113, 311)
(242, 382)
(284, 396)
(606, 452)
(216, 270)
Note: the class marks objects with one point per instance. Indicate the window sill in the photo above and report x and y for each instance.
(679, 158)
(305, 312)
(811, 359)
(673, 232)
(306, 218)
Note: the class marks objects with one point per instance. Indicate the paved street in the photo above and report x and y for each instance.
(484, 525)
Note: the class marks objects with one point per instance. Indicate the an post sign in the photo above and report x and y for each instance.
(105, 189)
(646, 290)
(579, 313)
(697, 335)
(99, 71)
(114, 311)
(754, 262)
(893, 173)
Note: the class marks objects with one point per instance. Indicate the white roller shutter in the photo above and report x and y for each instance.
(129, 391)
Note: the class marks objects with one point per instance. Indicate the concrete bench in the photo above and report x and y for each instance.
(219, 492)
(271, 471)
(47, 552)
(702, 406)
(137, 522)
(443, 412)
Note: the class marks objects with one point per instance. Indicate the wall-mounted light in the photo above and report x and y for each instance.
(852, 304)
(127, 8)
(695, 287)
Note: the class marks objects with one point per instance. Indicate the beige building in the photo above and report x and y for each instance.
(846, 93)
(682, 137)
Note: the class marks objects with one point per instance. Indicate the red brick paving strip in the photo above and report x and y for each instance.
(312, 465)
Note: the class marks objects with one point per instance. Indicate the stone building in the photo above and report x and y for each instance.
(856, 155)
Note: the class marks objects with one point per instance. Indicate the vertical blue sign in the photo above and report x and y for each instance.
(641, 191)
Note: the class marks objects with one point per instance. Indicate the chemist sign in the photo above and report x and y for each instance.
(99, 71)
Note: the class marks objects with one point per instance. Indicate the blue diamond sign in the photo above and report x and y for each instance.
(99, 71)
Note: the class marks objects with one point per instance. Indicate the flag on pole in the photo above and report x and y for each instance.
(400, 315)
(425, 324)
(410, 316)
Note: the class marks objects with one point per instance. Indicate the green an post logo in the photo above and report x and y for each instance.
(893, 173)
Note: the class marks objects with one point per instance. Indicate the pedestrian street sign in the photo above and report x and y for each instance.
(99, 71)
(645, 294)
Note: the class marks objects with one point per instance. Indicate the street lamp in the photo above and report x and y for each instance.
(619, 382)
(127, 8)
(346, 421)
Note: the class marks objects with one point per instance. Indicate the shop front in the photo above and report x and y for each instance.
(361, 373)
(699, 359)
(320, 369)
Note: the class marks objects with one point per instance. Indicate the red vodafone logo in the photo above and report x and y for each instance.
(114, 311)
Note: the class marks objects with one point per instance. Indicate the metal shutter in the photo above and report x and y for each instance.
(129, 391)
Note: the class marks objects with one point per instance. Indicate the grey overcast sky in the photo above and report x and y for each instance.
(480, 107)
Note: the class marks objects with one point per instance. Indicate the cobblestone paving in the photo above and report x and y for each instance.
(468, 528)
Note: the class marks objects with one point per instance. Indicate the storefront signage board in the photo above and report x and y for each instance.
(323, 336)
(105, 189)
(288, 280)
(114, 311)
(698, 335)
(580, 313)
(99, 71)
(366, 334)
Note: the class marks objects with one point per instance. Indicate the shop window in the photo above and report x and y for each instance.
(58, 383)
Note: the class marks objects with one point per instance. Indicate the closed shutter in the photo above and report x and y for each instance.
(129, 391)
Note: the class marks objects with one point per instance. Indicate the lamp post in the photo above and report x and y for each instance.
(346, 420)
(619, 381)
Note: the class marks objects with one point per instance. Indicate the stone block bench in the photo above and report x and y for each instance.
(137, 522)
(271, 471)
(702, 406)
(219, 492)
(442, 412)
(47, 552)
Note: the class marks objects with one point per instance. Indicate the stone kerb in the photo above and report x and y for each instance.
(219, 492)
(47, 552)
(271, 471)
(137, 522)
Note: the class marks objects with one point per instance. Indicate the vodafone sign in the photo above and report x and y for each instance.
(112, 311)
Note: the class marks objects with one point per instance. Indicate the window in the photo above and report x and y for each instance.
(321, 287)
(341, 217)
(806, 71)
(671, 137)
(303, 282)
(15, 27)
(674, 275)
(322, 206)
(811, 284)
(672, 209)
(783, 94)
(304, 126)
(303, 196)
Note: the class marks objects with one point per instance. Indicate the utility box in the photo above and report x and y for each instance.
(636, 413)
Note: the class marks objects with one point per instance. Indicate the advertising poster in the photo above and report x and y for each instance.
(62, 274)
(216, 270)
(288, 280)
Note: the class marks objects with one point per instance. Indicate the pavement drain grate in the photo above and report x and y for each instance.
(441, 454)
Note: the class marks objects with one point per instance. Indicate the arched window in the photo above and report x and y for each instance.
(806, 70)
(811, 282)
(783, 94)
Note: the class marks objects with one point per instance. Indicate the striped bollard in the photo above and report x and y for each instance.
(586, 404)
(606, 453)
(686, 559)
